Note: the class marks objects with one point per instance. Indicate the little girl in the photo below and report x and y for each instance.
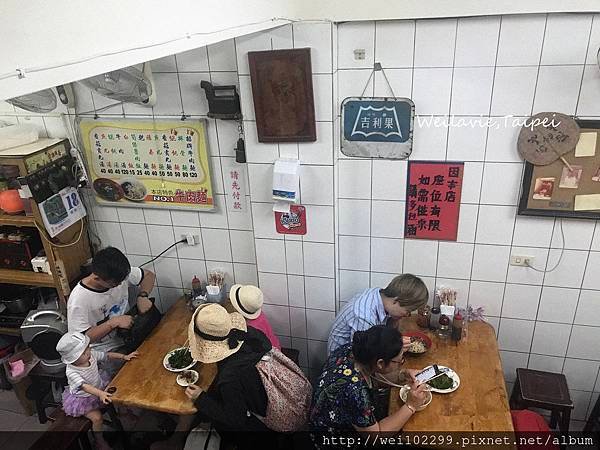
(85, 395)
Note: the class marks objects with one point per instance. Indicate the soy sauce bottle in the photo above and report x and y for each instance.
(434, 319)
(457, 327)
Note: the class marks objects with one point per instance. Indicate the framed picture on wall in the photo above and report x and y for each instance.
(282, 91)
(556, 190)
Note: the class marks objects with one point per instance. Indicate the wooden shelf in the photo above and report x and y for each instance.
(26, 277)
(10, 331)
(17, 220)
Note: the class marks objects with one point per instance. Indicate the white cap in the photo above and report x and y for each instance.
(71, 346)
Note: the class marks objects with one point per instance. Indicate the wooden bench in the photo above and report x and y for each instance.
(65, 433)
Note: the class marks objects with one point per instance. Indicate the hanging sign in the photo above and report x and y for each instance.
(235, 186)
(377, 127)
(62, 210)
(139, 162)
(293, 222)
(433, 191)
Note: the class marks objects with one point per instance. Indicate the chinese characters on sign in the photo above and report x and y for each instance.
(293, 222)
(433, 200)
(377, 127)
(138, 162)
(235, 186)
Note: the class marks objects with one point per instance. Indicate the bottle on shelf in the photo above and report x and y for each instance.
(196, 287)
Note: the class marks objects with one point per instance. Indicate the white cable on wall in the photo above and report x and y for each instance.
(562, 251)
(22, 72)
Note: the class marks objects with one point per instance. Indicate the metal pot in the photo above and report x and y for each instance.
(20, 301)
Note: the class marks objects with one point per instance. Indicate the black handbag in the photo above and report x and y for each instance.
(142, 326)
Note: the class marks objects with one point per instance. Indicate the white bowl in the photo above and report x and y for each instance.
(183, 383)
(404, 394)
(167, 366)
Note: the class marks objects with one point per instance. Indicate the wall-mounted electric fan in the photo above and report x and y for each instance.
(37, 102)
(128, 85)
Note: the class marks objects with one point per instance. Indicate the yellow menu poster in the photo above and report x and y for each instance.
(160, 163)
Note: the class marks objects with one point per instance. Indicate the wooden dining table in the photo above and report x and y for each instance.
(145, 383)
(480, 404)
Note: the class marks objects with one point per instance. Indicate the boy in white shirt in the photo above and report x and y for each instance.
(97, 305)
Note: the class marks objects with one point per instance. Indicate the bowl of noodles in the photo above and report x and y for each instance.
(419, 342)
(134, 190)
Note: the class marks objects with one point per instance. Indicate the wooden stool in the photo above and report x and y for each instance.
(544, 390)
(64, 433)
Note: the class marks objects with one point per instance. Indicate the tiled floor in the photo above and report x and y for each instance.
(17, 431)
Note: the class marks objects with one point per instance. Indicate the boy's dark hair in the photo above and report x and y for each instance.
(378, 342)
(409, 291)
(111, 265)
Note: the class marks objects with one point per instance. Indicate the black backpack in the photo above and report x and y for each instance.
(142, 326)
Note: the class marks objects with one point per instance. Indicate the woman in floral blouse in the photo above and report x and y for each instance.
(343, 395)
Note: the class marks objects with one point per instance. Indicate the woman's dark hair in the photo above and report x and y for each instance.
(111, 265)
(378, 342)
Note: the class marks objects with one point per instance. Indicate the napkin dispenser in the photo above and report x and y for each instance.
(286, 177)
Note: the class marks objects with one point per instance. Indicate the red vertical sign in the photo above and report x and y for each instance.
(433, 200)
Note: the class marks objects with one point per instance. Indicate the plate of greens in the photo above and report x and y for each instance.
(178, 360)
(446, 383)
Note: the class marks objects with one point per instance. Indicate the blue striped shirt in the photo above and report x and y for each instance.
(362, 312)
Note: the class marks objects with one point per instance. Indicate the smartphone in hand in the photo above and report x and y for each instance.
(429, 374)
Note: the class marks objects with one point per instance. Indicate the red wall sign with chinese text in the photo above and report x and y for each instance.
(433, 200)
(293, 222)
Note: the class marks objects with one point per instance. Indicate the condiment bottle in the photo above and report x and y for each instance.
(444, 330)
(457, 327)
(196, 287)
(434, 319)
(423, 316)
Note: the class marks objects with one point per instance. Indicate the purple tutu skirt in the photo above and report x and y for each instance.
(77, 406)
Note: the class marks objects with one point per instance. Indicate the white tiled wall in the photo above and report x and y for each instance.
(467, 67)
(471, 67)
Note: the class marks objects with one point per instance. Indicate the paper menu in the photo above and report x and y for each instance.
(586, 146)
(587, 202)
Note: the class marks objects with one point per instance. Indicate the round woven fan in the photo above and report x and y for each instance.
(546, 137)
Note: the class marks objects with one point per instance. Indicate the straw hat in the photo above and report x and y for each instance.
(71, 346)
(247, 300)
(214, 333)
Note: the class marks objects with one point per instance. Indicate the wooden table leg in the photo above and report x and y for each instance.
(114, 419)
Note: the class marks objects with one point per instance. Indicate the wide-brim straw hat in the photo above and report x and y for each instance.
(215, 325)
(247, 300)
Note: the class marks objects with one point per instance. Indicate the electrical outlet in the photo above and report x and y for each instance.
(359, 54)
(191, 239)
(520, 260)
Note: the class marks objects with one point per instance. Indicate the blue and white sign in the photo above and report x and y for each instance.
(377, 127)
(62, 210)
